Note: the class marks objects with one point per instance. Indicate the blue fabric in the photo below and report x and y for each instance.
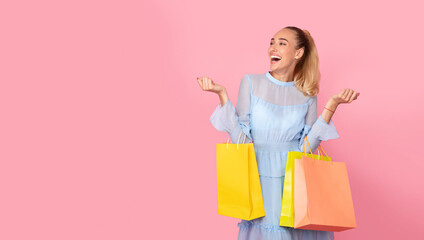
(275, 129)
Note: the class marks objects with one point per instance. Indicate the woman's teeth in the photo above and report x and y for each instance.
(275, 59)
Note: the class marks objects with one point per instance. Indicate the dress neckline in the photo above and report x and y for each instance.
(278, 82)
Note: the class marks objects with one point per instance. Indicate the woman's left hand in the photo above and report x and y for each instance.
(345, 96)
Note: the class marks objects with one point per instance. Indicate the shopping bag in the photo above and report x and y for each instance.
(322, 197)
(239, 189)
(287, 203)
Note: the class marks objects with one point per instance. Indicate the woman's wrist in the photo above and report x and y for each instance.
(223, 96)
(331, 105)
(329, 110)
(222, 92)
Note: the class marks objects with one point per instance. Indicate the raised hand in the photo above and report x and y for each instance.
(208, 85)
(345, 96)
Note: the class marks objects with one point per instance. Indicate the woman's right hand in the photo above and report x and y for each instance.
(208, 85)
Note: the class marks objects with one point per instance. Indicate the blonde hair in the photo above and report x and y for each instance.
(306, 72)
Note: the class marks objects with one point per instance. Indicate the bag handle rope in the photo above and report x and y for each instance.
(244, 140)
(319, 149)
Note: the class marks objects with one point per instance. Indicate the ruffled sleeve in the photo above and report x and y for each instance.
(233, 120)
(317, 130)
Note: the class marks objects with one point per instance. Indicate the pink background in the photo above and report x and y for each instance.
(105, 133)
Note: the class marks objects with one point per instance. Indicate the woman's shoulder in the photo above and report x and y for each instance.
(254, 78)
(255, 81)
(255, 75)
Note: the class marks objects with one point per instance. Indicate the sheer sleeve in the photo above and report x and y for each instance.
(317, 130)
(233, 120)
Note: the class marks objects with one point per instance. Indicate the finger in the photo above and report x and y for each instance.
(345, 93)
(349, 95)
(203, 84)
(206, 84)
(209, 84)
(354, 96)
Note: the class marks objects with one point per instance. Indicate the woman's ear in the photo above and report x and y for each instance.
(299, 53)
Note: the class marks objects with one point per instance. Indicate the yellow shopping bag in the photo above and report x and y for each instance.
(239, 189)
(287, 203)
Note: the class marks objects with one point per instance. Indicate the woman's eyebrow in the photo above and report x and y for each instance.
(281, 39)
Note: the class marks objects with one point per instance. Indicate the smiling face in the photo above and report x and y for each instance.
(282, 52)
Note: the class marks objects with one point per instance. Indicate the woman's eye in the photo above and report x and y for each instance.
(280, 43)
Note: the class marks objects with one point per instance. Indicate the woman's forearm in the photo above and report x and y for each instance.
(223, 96)
(326, 114)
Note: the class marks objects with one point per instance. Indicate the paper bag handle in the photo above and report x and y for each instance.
(319, 146)
(304, 147)
(244, 140)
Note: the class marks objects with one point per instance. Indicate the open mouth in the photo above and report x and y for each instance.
(275, 59)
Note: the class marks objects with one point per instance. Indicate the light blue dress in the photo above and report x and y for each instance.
(276, 116)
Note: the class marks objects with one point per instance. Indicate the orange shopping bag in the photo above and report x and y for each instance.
(322, 197)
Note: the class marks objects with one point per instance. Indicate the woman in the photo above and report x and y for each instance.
(276, 110)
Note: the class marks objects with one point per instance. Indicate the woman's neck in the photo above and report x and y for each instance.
(284, 77)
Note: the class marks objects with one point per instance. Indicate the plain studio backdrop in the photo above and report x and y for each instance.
(105, 133)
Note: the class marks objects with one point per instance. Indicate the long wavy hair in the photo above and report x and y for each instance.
(306, 72)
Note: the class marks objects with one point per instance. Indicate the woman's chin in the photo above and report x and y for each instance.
(276, 66)
(273, 66)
